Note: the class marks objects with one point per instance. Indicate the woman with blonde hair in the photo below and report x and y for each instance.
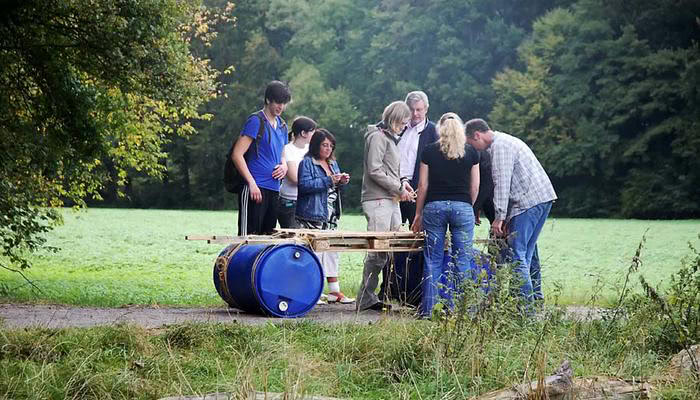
(447, 188)
(382, 189)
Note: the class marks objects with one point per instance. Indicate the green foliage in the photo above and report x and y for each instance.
(604, 92)
(603, 101)
(345, 61)
(672, 315)
(89, 91)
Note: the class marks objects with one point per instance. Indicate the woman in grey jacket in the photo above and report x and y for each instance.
(382, 189)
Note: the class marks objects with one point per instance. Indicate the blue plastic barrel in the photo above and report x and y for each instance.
(280, 280)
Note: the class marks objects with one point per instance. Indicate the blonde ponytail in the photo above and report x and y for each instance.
(452, 139)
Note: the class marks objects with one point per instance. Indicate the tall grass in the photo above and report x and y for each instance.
(390, 359)
(114, 257)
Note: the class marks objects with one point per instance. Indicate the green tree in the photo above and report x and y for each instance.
(333, 110)
(195, 163)
(88, 91)
(612, 116)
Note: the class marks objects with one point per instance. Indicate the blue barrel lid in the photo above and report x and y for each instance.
(288, 279)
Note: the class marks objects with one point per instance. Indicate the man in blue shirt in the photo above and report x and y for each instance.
(261, 163)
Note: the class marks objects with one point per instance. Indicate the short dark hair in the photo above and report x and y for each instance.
(316, 140)
(302, 123)
(277, 92)
(475, 125)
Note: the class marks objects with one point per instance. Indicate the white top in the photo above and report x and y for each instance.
(408, 149)
(293, 154)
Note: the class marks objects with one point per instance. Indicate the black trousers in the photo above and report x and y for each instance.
(408, 211)
(399, 277)
(257, 218)
(285, 213)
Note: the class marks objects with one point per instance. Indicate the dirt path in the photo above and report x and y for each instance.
(60, 316)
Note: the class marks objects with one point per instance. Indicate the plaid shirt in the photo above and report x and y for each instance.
(519, 179)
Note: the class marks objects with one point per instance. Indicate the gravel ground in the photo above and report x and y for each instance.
(14, 316)
(61, 316)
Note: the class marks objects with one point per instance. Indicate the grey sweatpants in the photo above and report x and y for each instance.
(382, 215)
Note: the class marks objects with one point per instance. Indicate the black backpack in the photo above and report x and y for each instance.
(233, 180)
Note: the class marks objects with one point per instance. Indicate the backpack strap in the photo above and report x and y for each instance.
(261, 130)
(284, 125)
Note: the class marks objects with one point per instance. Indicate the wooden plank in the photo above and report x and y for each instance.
(243, 240)
(349, 234)
(199, 237)
(378, 244)
(223, 237)
(392, 250)
(319, 235)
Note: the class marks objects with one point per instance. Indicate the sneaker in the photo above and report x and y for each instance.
(324, 297)
(321, 301)
(339, 297)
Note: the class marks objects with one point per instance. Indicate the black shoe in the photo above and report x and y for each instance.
(379, 306)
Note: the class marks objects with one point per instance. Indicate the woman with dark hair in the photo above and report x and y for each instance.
(447, 188)
(318, 201)
(303, 129)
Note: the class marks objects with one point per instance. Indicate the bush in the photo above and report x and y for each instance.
(671, 315)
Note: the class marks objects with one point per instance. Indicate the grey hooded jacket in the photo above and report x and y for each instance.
(381, 177)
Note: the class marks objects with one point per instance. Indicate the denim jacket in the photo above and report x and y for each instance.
(313, 185)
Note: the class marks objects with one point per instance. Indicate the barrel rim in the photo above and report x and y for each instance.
(263, 306)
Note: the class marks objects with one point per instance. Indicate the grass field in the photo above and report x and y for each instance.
(114, 257)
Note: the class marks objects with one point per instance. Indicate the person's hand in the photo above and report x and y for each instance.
(477, 220)
(417, 225)
(407, 196)
(255, 193)
(344, 178)
(336, 178)
(498, 229)
(407, 192)
(280, 171)
(407, 187)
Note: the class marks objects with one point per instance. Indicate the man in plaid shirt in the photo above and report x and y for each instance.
(522, 198)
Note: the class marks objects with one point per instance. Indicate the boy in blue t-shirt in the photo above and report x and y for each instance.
(262, 168)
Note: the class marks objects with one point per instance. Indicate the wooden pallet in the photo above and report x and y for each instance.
(320, 240)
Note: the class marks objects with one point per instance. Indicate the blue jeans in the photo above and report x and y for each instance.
(437, 217)
(524, 229)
